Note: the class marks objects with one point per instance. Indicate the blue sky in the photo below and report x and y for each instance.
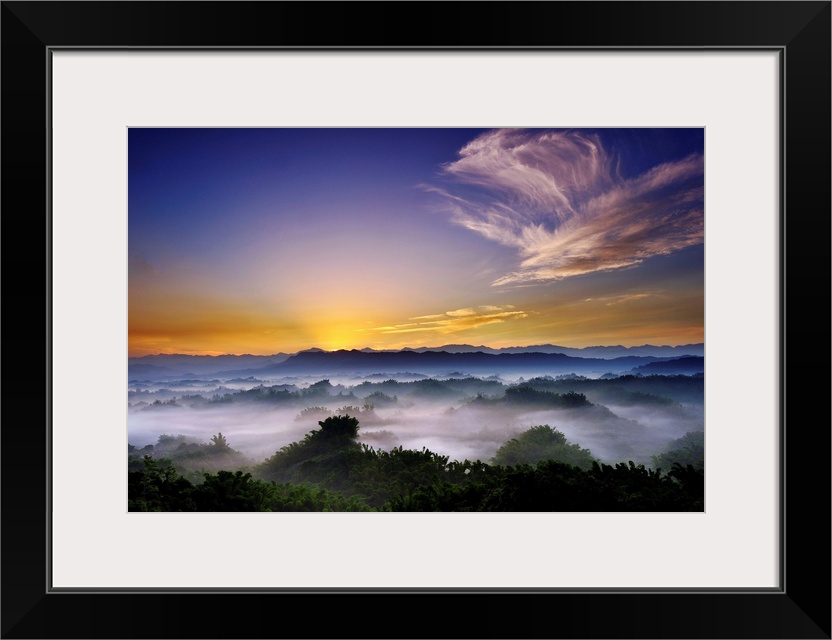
(270, 240)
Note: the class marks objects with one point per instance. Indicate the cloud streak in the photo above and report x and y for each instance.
(456, 320)
(622, 299)
(559, 199)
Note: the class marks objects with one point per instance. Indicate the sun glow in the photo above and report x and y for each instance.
(386, 238)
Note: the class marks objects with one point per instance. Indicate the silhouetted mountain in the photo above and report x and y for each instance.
(177, 363)
(458, 357)
(607, 352)
(356, 361)
(617, 351)
(455, 348)
(687, 365)
(150, 371)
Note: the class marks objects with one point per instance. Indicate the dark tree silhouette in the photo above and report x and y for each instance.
(219, 441)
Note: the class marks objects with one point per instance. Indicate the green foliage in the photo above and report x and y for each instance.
(341, 427)
(542, 443)
(331, 457)
(219, 442)
(554, 486)
(383, 438)
(379, 399)
(691, 481)
(161, 488)
(300, 497)
(193, 400)
(166, 441)
(349, 409)
(318, 389)
(192, 459)
(661, 391)
(329, 471)
(229, 491)
(657, 390)
(158, 487)
(324, 447)
(313, 413)
(380, 476)
(528, 395)
(162, 404)
(687, 450)
(366, 413)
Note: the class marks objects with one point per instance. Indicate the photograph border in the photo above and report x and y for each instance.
(31, 31)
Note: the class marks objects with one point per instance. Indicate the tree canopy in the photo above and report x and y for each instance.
(542, 443)
(329, 470)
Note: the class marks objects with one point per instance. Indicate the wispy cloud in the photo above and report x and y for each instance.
(456, 320)
(622, 299)
(559, 199)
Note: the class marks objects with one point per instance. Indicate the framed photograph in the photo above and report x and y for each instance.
(229, 223)
(340, 378)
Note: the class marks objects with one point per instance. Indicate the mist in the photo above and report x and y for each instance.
(463, 417)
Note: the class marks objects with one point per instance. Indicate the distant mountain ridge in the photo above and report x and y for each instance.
(355, 361)
(606, 352)
(685, 365)
(178, 363)
(466, 357)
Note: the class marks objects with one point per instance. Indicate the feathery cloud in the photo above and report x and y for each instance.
(559, 199)
(456, 320)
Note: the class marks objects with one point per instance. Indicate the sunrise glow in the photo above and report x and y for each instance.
(264, 241)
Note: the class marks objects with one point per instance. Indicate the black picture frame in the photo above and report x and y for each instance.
(799, 31)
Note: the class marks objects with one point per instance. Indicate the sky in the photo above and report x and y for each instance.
(264, 241)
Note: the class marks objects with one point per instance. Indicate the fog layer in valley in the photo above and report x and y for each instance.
(618, 418)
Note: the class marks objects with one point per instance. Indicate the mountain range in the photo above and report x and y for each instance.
(448, 358)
